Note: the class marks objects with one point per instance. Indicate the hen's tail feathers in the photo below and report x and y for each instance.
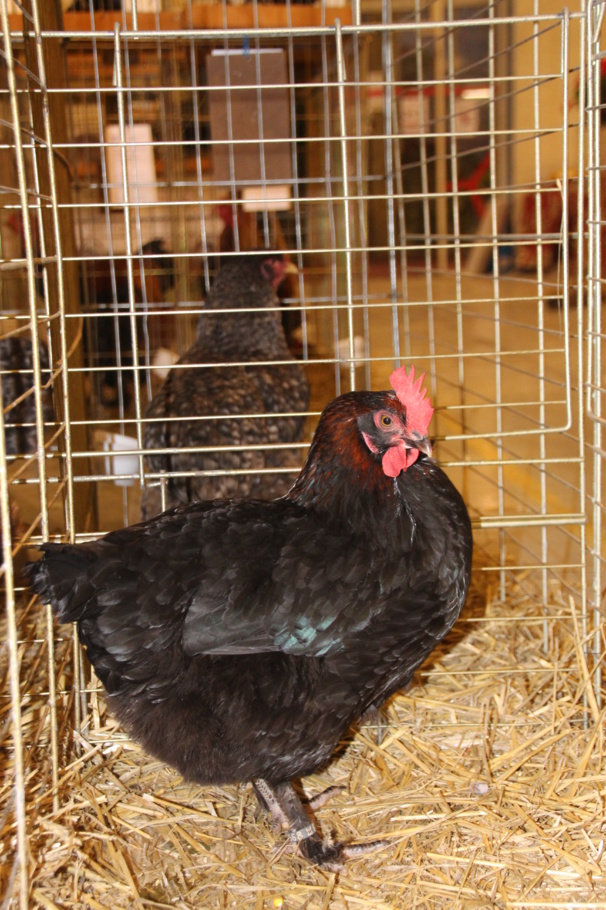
(60, 579)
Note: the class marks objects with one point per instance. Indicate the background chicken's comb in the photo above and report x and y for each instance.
(418, 409)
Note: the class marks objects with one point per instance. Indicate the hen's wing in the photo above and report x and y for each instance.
(213, 578)
(311, 590)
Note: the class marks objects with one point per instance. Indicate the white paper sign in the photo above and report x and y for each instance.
(140, 166)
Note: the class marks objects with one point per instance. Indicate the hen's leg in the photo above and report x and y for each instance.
(287, 811)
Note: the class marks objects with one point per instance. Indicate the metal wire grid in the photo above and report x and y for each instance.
(505, 367)
(595, 332)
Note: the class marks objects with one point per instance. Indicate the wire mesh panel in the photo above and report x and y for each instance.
(595, 220)
(35, 444)
(424, 167)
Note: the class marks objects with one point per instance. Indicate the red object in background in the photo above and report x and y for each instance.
(550, 224)
(474, 182)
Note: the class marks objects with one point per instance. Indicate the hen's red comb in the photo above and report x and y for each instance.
(418, 409)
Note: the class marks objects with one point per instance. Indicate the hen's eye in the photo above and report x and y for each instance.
(386, 420)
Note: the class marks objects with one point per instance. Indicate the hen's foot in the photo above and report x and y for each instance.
(332, 856)
(288, 813)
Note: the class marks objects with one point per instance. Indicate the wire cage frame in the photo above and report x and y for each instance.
(435, 177)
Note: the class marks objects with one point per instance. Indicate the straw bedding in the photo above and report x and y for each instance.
(484, 778)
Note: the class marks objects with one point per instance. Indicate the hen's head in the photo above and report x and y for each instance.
(275, 268)
(398, 433)
(249, 279)
(364, 440)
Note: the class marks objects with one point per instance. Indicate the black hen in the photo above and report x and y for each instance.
(207, 384)
(239, 640)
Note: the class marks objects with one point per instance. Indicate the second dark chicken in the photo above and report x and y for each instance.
(239, 366)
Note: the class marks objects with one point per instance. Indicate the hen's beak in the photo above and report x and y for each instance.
(421, 443)
(284, 269)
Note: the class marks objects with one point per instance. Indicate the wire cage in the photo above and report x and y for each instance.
(433, 170)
